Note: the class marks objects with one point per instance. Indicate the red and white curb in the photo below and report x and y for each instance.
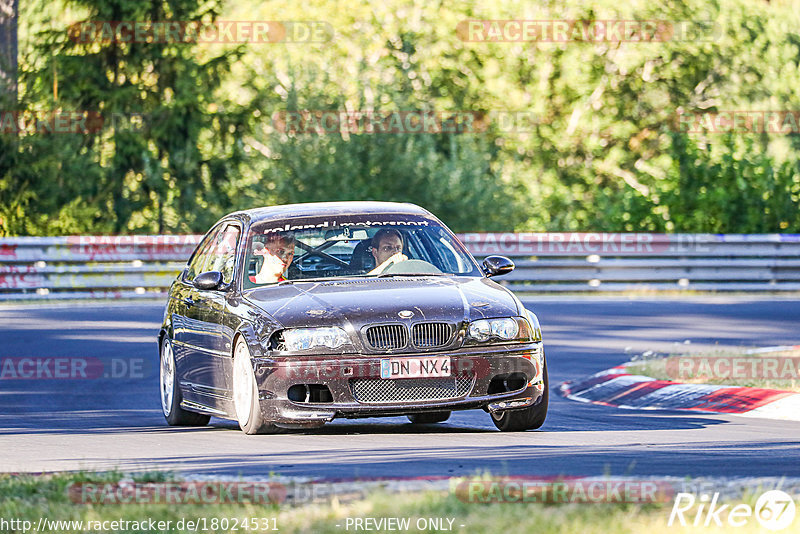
(617, 387)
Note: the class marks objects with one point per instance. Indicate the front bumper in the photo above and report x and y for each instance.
(478, 370)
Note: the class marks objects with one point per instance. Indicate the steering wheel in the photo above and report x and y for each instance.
(412, 267)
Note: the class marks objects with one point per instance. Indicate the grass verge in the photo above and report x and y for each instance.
(30, 498)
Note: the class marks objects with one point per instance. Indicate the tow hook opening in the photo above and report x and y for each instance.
(505, 383)
(314, 393)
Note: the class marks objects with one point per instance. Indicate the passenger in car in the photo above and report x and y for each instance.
(278, 253)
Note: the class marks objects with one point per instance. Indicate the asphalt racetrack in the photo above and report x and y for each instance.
(113, 420)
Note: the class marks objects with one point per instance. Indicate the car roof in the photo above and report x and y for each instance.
(321, 209)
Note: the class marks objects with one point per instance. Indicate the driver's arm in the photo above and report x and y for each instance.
(390, 261)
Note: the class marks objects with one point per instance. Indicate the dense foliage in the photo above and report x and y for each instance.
(602, 154)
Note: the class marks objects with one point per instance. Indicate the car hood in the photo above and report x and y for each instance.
(363, 301)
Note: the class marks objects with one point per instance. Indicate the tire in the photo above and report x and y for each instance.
(428, 418)
(245, 394)
(529, 418)
(171, 394)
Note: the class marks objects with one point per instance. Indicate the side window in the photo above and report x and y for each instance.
(222, 253)
(201, 255)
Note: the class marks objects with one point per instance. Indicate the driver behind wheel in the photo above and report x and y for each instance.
(278, 253)
(387, 249)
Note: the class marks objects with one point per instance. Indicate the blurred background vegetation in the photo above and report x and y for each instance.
(602, 156)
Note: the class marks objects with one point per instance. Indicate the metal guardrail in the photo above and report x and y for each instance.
(586, 262)
(144, 266)
(91, 266)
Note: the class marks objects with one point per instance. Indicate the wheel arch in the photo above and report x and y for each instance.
(166, 329)
(247, 332)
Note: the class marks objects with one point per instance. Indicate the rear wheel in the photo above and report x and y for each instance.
(528, 418)
(245, 393)
(428, 418)
(171, 393)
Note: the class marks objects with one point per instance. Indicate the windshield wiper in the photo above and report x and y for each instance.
(386, 275)
(322, 278)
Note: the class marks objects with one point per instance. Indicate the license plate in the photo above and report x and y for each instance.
(415, 367)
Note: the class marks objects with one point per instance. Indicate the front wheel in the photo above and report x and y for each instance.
(528, 418)
(245, 394)
(171, 392)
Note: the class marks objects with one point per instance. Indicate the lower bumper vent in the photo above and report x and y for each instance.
(376, 391)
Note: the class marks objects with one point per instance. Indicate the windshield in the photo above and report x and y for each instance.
(353, 247)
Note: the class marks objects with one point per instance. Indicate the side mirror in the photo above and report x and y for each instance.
(497, 265)
(208, 280)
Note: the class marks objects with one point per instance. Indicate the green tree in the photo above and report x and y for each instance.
(603, 154)
(168, 150)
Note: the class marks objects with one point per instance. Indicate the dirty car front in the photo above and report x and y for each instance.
(379, 311)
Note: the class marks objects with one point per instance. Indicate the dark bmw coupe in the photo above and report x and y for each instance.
(290, 316)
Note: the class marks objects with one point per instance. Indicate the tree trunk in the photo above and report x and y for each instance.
(9, 9)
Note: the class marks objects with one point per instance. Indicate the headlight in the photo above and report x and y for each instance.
(504, 329)
(331, 337)
(480, 330)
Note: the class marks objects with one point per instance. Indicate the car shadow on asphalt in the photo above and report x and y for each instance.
(563, 416)
(560, 419)
(407, 459)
